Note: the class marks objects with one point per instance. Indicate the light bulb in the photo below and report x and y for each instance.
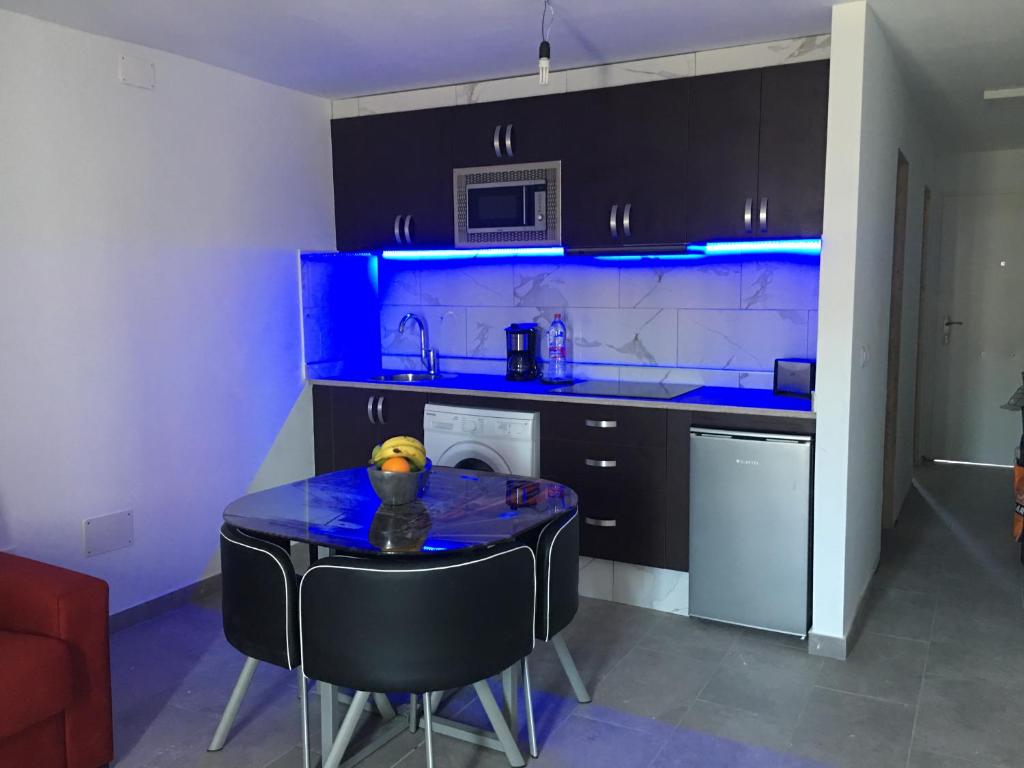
(544, 61)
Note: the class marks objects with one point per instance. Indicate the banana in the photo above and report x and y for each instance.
(404, 440)
(408, 448)
(375, 453)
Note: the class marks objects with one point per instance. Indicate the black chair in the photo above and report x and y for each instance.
(418, 625)
(558, 577)
(261, 610)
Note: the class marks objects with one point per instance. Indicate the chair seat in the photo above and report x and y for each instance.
(35, 676)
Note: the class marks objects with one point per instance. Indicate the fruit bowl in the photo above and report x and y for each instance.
(397, 488)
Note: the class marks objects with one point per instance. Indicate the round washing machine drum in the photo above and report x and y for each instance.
(474, 455)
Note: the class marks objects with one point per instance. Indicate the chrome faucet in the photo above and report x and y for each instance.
(427, 355)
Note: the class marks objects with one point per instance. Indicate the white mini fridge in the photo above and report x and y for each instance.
(750, 516)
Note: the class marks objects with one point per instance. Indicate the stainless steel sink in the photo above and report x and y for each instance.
(411, 376)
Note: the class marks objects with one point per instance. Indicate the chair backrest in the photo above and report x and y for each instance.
(260, 602)
(558, 574)
(417, 624)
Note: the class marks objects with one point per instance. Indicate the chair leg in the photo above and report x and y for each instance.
(348, 728)
(387, 712)
(510, 689)
(412, 712)
(231, 710)
(531, 728)
(304, 708)
(428, 729)
(508, 742)
(571, 672)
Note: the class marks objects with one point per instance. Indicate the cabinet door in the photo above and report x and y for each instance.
(627, 148)
(393, 168)
(352, 426)
(791, 163)
(531, 128)
(400, 413)
(722, 169)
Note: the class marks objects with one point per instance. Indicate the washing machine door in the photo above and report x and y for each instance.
(473, 455)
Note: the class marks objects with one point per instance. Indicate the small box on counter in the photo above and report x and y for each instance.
(794, 376)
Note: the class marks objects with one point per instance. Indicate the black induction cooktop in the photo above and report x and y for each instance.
(633, 389)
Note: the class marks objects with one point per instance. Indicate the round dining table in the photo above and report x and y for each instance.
(458, 509)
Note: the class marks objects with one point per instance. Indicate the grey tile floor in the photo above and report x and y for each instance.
(936, 680)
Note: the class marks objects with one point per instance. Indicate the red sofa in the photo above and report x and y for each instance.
(54, 667)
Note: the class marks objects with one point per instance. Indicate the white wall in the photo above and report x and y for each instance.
(149, 322)
(871, 118)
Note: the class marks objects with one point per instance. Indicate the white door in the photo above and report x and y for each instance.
(979, 363)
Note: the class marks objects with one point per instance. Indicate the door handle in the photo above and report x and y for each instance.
(398, 229)
(408, 235)
(947, 328)
(599, 522)
(369, 409)
(613, 222)
(508, 141)
(625, 220)
(762, 215)
(601, 463)
(380, 409)
(599, 424)
(497, 141)
(748, 213)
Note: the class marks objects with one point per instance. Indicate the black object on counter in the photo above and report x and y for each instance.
(795, 376)
(521, 348)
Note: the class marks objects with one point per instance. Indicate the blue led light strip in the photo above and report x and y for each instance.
(467, 253)
(802, 246)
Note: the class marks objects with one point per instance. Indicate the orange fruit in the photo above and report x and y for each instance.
(396, 464)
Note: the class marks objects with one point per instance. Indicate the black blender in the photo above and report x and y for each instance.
(521, 348)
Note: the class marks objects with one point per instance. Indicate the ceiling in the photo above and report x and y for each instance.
(951, 49)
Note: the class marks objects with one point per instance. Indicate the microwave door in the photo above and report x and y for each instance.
(503, 207)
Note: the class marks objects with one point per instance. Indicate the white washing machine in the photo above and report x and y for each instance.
(507, 442)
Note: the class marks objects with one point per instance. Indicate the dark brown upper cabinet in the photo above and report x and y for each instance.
(791, 162)
(757, 153)
(624, 166)
(505, 132)
(393, 180)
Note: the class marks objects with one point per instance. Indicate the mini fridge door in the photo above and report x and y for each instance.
(750, 528)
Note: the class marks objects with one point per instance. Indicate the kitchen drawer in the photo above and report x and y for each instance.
(603, 424)
(622, 497)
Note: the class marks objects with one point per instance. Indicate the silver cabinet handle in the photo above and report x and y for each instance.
(408, 236)
(613, 222)
(748, 214)
(508, 141)
(398, 230)
(625, 220)
(598, 424)
(762, 214)
(598, 522)
(497, 141)
(369, 409)
(602, 463)
(380, 409)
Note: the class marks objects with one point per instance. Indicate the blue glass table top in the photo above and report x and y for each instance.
(459, 509)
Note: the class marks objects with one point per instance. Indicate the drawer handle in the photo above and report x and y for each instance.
(598, 522)
(603, 463)
(599, 424)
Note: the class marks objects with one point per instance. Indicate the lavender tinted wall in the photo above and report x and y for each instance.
(719, 323)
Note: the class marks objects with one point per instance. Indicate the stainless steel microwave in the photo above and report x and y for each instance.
(508, 205)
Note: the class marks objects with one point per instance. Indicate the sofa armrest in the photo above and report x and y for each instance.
(43, 599)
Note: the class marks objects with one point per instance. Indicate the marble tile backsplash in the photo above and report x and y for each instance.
(718, 324)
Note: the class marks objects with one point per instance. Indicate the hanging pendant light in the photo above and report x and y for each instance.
(544, 55)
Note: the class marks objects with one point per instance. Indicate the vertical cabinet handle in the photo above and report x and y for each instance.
(380, 409)
(369, 409)
(613, 222)
(762, 215)
(497, 141)
(625, 220)
(398, 229)
(408, 234)
(508, 141)
(748, 215)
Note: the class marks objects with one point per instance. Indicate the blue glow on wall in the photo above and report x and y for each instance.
(467, 253)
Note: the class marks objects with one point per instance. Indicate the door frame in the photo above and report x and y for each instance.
(892, 376)
(923, 322)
